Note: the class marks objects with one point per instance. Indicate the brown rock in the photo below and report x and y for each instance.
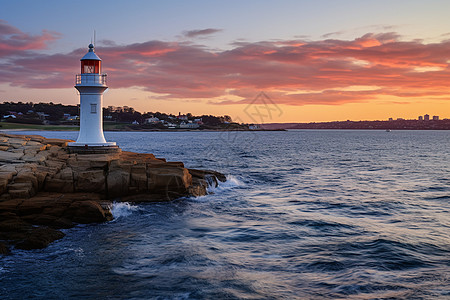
(57, 142)
(7, 156)
(17, 142)
(59, 185)
(118, 183)
(139, 177)
(90, 181)
(9, 205)
(168, 179)
(55, 164)
(5, 178)
(54, 149)
(38, 238)
(12, 223)
(41, 175)
(206, 173)
(27, 176)
(87, 212)
(66, 174)
(18, 192)
(36, 138)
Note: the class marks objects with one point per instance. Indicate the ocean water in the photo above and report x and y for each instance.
(303, 215)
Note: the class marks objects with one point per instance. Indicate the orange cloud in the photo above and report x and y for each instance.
(293, 72)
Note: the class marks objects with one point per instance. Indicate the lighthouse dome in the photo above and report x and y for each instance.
(91, 54)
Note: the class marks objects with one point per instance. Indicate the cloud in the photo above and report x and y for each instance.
(15, 42)
(292, 72)
(327, 35)
(200, 32)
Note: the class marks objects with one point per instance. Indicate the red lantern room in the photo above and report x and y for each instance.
(91, 63)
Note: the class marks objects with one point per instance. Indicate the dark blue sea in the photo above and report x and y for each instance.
(304, 215)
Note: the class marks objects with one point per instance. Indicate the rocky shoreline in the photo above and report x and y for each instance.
(44, 187)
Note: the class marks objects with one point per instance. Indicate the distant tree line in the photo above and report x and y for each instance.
(127, 114)
(29, 112)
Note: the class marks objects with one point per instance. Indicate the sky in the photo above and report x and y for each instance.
(257, 61)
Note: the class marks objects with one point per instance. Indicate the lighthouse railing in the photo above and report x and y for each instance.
(87, 78)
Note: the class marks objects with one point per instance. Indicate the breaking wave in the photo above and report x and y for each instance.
(122, 209)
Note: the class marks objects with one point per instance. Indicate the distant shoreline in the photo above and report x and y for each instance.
(142, 130)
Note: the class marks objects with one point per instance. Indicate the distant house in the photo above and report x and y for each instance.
(253, 126)
(135, 122)
(72, 118)
(189, 125)
(9, 116)
(42, 115)
(198, 121)
(152, 120)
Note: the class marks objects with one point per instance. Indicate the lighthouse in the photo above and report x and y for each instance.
(91, 84)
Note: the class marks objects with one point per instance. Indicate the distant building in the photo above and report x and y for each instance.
(189, 125)
(135, 122)
(253, 126)
(400, 119)
(390, 120)
(426, 117)
(151, 120)
(42, 115)
(420, 118)
(435, 118)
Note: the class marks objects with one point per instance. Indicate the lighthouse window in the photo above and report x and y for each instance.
(90, 66)
(93, 108)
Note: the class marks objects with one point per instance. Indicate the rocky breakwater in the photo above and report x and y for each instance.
(44, 187)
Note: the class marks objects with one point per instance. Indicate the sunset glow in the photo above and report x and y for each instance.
(374, 75)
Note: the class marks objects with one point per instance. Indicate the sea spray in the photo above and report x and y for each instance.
(122, 209)
(232, 182)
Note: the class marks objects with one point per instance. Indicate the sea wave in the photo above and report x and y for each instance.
(122, 209)
(232, 182)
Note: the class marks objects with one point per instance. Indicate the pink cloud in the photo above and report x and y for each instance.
(293, 72)
(14, 41)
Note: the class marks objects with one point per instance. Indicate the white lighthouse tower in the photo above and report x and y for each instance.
(91, 84)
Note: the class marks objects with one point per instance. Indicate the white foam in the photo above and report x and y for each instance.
(122, 209)
(231, 182)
